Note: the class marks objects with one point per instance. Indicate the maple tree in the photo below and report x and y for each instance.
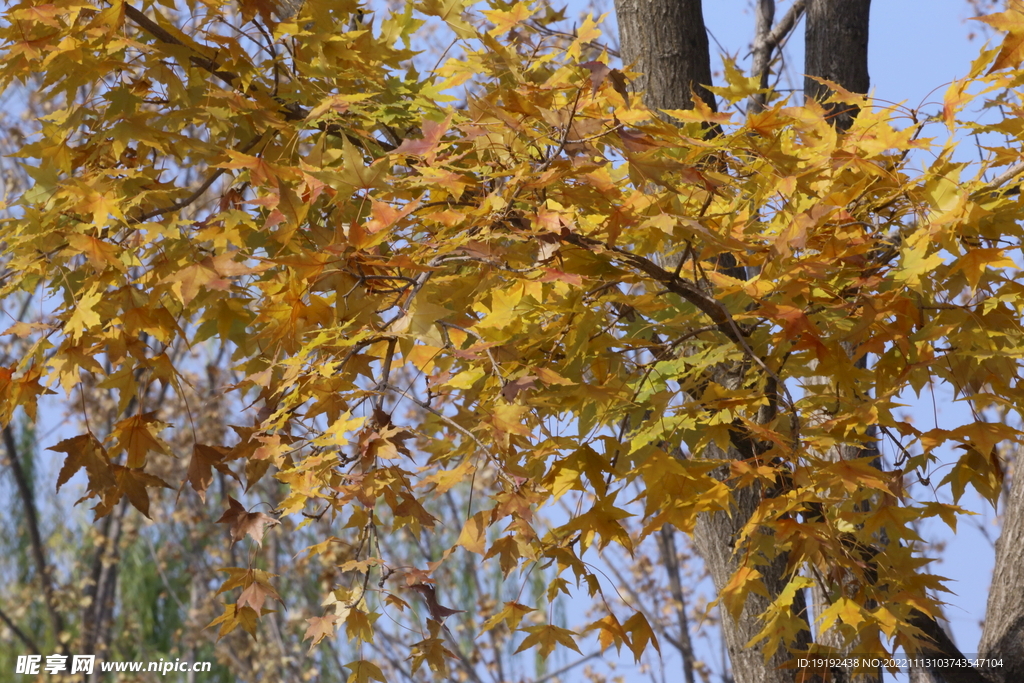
(538, 320)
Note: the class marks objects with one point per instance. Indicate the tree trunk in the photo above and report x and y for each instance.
(714, 538)
(666, 41)
(837, 50)
(1003, 635)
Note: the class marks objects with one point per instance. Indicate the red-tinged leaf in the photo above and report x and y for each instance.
(438, 612)
(426, 146)
(200, 467)
(85, 451)
(134, 483)
(598, 72)
(513, 388)
(320, 628)
(254, 596)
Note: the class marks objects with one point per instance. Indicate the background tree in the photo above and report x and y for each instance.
(460, 347)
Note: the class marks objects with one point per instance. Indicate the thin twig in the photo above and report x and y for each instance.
(567, 667)
(200, 191)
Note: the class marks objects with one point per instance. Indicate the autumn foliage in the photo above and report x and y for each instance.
(505, 277)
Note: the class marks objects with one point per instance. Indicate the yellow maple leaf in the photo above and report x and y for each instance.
(1011, 52)
(137, 436)
(547, 637)
(474, 534)
(84, 316)
(364, 671)
(505, 21)
(335, 434)
(512, 613)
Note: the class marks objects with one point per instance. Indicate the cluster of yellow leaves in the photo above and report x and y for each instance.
(546, 264)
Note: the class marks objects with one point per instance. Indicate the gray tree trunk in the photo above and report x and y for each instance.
(667, 42)
(1003, 635)
(836, 38)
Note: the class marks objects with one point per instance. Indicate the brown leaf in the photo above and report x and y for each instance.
(598, 72)
(200, 467)
(437, 611)
(512, 389)
(254, 596)
(253, 524)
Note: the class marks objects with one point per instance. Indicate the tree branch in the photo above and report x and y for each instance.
(767, 39)
(567, 667)
(1003, 178)
(154, 29)
(670, 558)
(19, 633)
(762, 50)
(945, 648)
(199, 192)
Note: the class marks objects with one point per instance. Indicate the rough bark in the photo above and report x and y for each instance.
(666, 41)
(836, 47)
(1003, 634)
(713, 537)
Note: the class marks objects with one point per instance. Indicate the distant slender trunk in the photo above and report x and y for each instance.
(667, 42)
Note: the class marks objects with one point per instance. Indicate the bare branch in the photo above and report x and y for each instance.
(199, 192)
(1003, 178)
(670, 558)
(19, 633)
(762, 50)
(567, 667)
(768, 39)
